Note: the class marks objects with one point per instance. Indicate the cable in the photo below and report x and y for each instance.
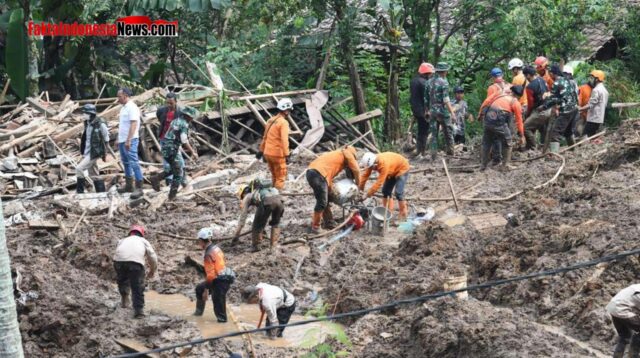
(393, 304)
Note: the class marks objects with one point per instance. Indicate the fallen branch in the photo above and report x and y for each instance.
(453, 192)
(308, 238)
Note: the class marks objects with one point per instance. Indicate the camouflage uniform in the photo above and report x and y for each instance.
(171, 150)
(438, 98)
(564, 95)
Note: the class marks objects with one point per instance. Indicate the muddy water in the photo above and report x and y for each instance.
(178, 305)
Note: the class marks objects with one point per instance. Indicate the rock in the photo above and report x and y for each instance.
(12, 207)
(216, 178)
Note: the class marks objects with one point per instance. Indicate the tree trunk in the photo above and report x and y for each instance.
(11, 345)
(392, 123)
(32, 57)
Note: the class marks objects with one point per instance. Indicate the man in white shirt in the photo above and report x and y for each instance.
(597, 103)
(129, 260)
(276, 302)
(128, 134)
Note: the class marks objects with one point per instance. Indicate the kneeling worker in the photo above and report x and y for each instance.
(219, 277)
(276, 302)
(624, 308)
(269, 203)
(176, 137)
(496, 112)
(393, 172)
(320, 175)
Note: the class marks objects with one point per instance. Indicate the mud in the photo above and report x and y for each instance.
(591, 211)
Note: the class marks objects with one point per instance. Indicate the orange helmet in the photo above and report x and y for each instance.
(598, 74)
(137, 228)
(541, 61)
(425, 68)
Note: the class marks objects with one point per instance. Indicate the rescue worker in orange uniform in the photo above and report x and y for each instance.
(320, 175)
(393, 173)
(584, 94)
(541, 63)
(496, 112)
(219, 277)
(498, 85)
(275, 144)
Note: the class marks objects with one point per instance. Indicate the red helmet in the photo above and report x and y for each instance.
(425, 68)
(137, 228)
(541, 61)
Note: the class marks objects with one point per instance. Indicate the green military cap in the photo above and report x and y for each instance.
(442, 67)
(190, 111)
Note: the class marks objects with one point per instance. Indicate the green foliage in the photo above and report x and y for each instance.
(16, 54)
(324, 350)
(631, 32)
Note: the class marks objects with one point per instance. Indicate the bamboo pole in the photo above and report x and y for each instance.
(453, 192)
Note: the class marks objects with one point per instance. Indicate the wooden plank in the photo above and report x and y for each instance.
(256, 113)
(39, 107)
(133, 346)
(365, 116)
(279, 94)
(41, 224)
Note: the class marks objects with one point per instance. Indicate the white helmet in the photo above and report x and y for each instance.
(368, 160)
(206, 233)
(516, 62)
(568, 69)
(285, 104)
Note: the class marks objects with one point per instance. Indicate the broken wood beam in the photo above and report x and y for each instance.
(33, 102)
(256, 113)
(268, 95)
(365, 116)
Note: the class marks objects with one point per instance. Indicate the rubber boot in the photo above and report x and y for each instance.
(128, 186)
(80, 182)
(402, 210)
(554, 147)
(137, 193)
(139, 314)
(173, 192)
(125, 300)
(200, 304)
(484, 158)
(156, 179)
(571, 141)
(507, 159)
(99, 185)
(327, 218)
(634, 348)
(315, 222)
(256, 237)
(275, 236)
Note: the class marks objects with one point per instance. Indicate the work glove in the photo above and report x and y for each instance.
(259, 155)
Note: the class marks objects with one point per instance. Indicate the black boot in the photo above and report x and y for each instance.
(200, 304)
(634, 348)
(99, 185)
(80, 182)
(484, 158)
(173, 192)
(139, 313)
(156, 179)
(137, 193)
(128, 186)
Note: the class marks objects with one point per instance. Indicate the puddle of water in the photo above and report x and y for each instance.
(247, 315)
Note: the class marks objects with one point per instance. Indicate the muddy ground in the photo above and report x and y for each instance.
(70, 304)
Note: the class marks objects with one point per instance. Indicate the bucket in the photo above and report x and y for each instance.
(378, 220)
(456, 283)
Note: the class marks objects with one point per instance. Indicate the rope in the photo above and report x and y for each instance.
(393, 304)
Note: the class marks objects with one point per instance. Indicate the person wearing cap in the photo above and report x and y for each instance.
(166, 114)
(461, 113)
(567, 72)
(417, 88)
(624, 308)
(597, 103)
(274, 147)
(393, 173)
(320, 175)
(536, 116)
(132, 253)
(541, 63)
(176, 137)
(441, 110)
(268, 203)
(219, 277)
(498, 85)
(277, 303)
(564, 99)
(93, 145)
(496, 113)
(519, 79)
(128, 134)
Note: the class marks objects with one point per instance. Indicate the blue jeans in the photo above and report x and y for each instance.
(130, 160)
(396, 183)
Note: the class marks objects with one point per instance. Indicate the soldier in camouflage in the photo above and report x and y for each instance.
(176, 137)
(441, 109)
(563, 95)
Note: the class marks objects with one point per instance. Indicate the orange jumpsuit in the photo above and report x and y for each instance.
(509, 104)
(548, 79)
(329, 165)
(213, 262)
(520, 80)
(275, 148)
(389, 165)
(583, 99)
(496, 87)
